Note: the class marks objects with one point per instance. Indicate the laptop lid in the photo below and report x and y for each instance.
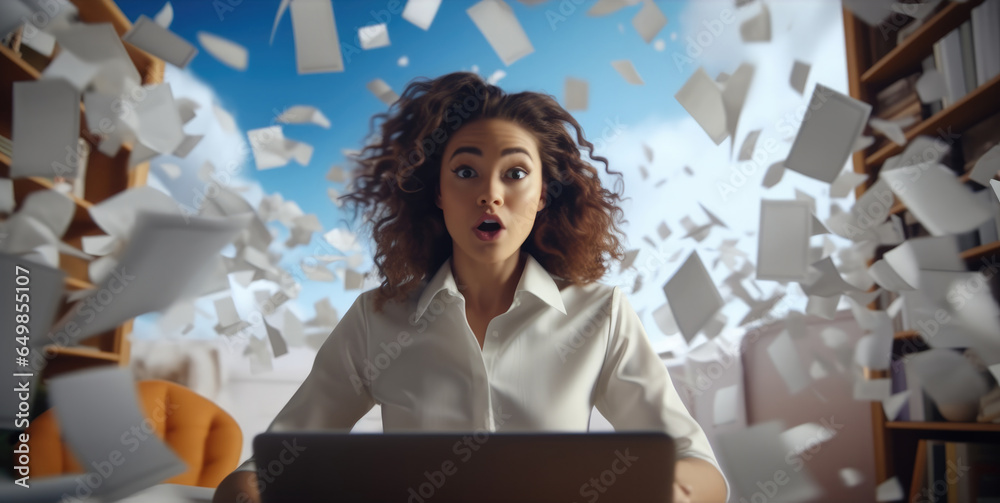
(485, 467)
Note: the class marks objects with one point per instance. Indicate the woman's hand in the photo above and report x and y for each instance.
(682, 493)
(239, 486)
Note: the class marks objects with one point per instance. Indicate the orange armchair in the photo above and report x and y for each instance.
(202, 434)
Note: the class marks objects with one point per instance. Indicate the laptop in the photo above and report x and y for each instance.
(635, 467)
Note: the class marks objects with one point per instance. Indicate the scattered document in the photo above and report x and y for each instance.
(892, 129)
(824, 307)
(757, 454)
(421, 12)
(757, 28)
(774, 174)
(496, 21)
(782, 249)
(374, 36)
(46, 120)
(845, 182)
(996, 188)
(577, 92)
(800, 74)
(160, 127)
(788, 363)
(805, 436)
(77, 72)
(937, 199)
(693, 297)
(226, 51)
(649, 21)
(749, 142)
(724, 405)
(157, 40)
(165, 16)
(272, 150)
(872, 390)
(99, 43)
(851, 477)
(948, 377)
(627, 71)
(101, 408)
(931, 86)
(304, 114)
(166, 254)
(382, 91)
(894, 404)
(890, 490)
(317, 48)
(874, 349)
(919, 150)
(986, 167)
(826, 137)
(117, 214)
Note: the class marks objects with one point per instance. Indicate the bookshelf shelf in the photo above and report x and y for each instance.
(963, 113)
(906, 335)
(83, 351)
(919, 43)
(981, 251)
(72, 283)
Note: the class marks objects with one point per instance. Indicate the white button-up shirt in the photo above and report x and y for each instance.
(559, 351)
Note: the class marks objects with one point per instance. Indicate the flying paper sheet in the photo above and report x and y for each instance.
(826, 137)
(890, 490)
(165, 16)
(872, 390)
(782, 249)
(272, 150)
(99, 409)
(937, 199)
(786, 360)
(805, 436)
(77, 72)
(576, 94)
(317, 48)
(874, 349)
(421, 12)
(46, 120)
(774, 174)
(894, 404)
(226, 51)
(382, 91)
(374, 36)
(931, 86)
(800, 73)
(157, 40)
(825, 280)
(724, 405)
(166, 253)
(846, 182)
(919, 150)
(160, 127)
(99, 43)
(757, 28)
(693, 297)
(649, 21)
(304, 114)
(749, 142)
(948, 377)
(117, 214)
(986, 167)
(893, 130)
(496, 21)
(627, 71)
(756, 454)
(824, 307)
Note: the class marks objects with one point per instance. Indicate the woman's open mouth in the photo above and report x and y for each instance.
(488, 231)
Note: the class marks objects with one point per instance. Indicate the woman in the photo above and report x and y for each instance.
(491, 232)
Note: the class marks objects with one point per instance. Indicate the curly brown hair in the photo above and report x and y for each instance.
(574, 236)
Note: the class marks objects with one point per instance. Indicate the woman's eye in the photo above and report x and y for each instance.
(461, 169)
(524, 174)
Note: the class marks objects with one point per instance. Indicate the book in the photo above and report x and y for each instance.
(948, 60)
(968, 56)
(986, 40)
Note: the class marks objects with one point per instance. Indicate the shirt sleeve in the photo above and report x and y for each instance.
(635, 392)
(336, 393)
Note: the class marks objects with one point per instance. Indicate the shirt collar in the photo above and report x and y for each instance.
(534, 279)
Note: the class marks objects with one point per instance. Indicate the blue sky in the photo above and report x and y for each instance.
(567, 43)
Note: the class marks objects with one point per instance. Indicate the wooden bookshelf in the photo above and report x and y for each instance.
(896, 442)
(105, 176)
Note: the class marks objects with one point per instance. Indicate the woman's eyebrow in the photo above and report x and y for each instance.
(476, 151)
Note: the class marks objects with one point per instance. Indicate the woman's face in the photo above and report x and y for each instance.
(490, 166)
